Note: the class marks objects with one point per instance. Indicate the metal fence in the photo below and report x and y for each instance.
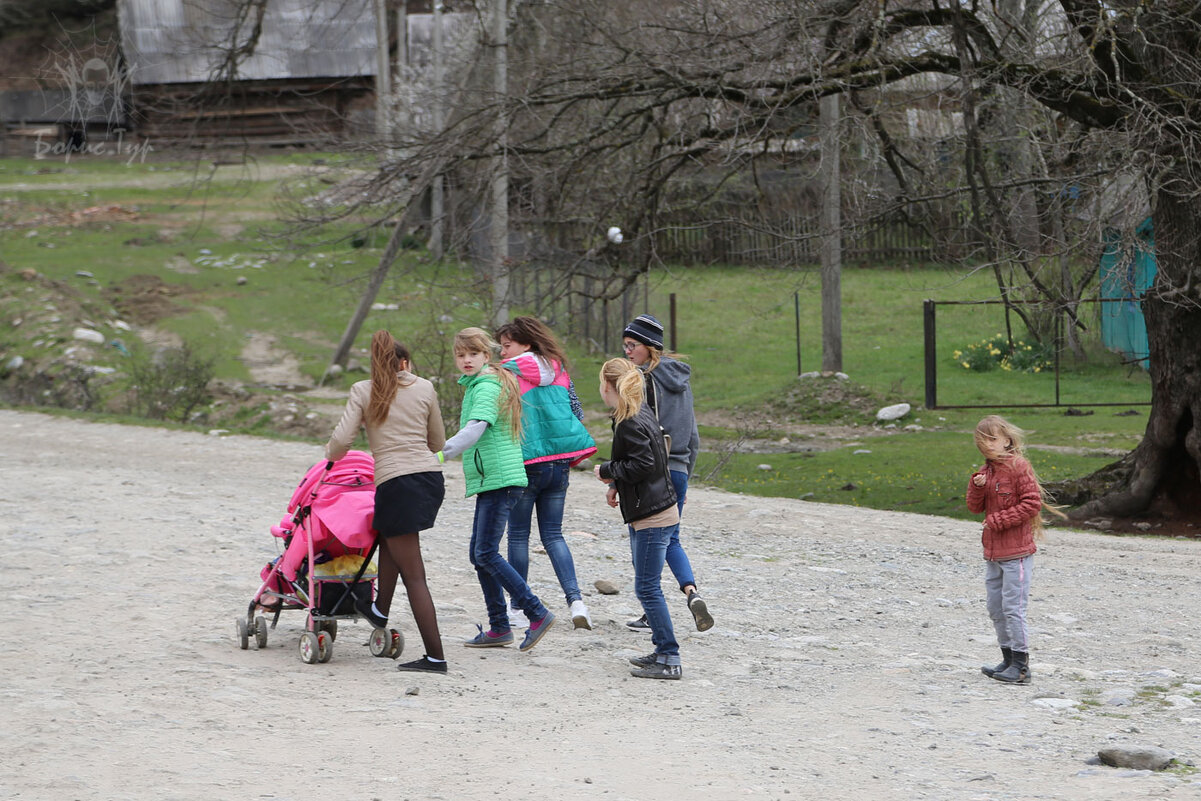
(930, 330)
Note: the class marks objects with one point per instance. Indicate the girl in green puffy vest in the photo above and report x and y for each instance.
(494, 470)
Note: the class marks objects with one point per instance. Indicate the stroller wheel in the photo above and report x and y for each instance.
(380, 643)
(325, 646)
(243, 633)
(332, 627)
(309, 648)
(260, 631)
(398, 643)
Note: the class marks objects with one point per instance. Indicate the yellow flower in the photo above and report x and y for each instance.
(1038, 369)
(965, 364)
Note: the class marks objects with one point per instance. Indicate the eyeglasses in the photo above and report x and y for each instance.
(629, 346)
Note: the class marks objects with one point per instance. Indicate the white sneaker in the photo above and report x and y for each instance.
(579, 615)
(517, 619)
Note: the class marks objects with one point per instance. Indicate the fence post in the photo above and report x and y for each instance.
(931, 367)
(673, 322)
(1058, 347)
(796, 299)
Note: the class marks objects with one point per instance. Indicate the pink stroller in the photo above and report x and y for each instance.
(326, 563)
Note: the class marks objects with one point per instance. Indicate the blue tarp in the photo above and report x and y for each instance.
(1127, 272)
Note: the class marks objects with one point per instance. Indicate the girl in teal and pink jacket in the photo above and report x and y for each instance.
(553, 439)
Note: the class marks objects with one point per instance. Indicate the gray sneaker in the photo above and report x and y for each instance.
(644, 661)
(657, 671)
(638, 624)
(700, 612)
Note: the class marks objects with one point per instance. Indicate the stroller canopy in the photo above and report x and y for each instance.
(342, 501)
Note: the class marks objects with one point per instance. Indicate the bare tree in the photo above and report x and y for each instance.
(646, 113)
(653, 107)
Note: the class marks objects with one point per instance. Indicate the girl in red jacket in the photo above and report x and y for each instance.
(1007, 491)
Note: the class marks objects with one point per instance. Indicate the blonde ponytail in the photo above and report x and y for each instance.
(626, 380)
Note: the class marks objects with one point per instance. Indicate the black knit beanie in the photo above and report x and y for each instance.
(647, 330)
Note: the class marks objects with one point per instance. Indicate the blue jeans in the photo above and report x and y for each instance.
(649, 548)
(495, 574)
(677, 560)
(547, 492)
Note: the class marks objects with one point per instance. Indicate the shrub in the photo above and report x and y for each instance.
(171, 385)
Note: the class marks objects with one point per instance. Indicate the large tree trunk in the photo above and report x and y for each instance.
(1166, 466)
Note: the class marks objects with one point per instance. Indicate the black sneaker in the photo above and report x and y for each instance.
(700, 612)
(638, 624)
(366, 610)
(644, 661)
(657, 671)
(422, 665)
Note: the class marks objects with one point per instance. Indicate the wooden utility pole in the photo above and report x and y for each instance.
(437, 199)
(383, 71)
(500, 168)
(831, 237)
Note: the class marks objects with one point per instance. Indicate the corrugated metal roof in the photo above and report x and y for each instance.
(179, 41)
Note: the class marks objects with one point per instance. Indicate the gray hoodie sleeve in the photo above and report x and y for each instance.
(673, 399)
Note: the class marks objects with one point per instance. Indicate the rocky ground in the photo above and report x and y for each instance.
(845, 659)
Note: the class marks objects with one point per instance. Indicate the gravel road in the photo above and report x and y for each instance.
(844, 663)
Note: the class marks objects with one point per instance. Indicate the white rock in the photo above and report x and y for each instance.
(860, 450)
(764, 467)
(894, 412)
(1056, 703)
(216, 432)
(15, 363)
(88, 335)
(614, 235)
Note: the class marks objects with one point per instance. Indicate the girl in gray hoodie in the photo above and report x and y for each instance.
(669, 394)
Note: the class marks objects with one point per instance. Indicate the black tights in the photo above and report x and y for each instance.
(403, 554)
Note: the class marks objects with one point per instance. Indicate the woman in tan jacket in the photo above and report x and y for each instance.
(404, 430)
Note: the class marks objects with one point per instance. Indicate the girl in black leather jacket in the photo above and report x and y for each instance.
(639, 482)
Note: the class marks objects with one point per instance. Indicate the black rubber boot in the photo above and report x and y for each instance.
(1018, 671)
(1005, 652)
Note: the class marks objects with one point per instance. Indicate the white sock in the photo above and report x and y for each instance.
(375, 610)
(431, 659)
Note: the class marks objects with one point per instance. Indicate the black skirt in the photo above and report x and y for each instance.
(408, 504)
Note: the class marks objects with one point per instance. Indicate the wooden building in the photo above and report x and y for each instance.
(302, 73)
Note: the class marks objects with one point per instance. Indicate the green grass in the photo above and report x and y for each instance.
(736, 326)
(914, 472)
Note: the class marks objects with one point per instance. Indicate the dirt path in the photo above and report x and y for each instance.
(845, 660)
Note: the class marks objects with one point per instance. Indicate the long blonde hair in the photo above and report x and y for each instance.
(388, 358)
(476, 340)
(994, 426)
(626, 380)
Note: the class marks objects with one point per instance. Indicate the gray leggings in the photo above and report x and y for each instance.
(1007, 586)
